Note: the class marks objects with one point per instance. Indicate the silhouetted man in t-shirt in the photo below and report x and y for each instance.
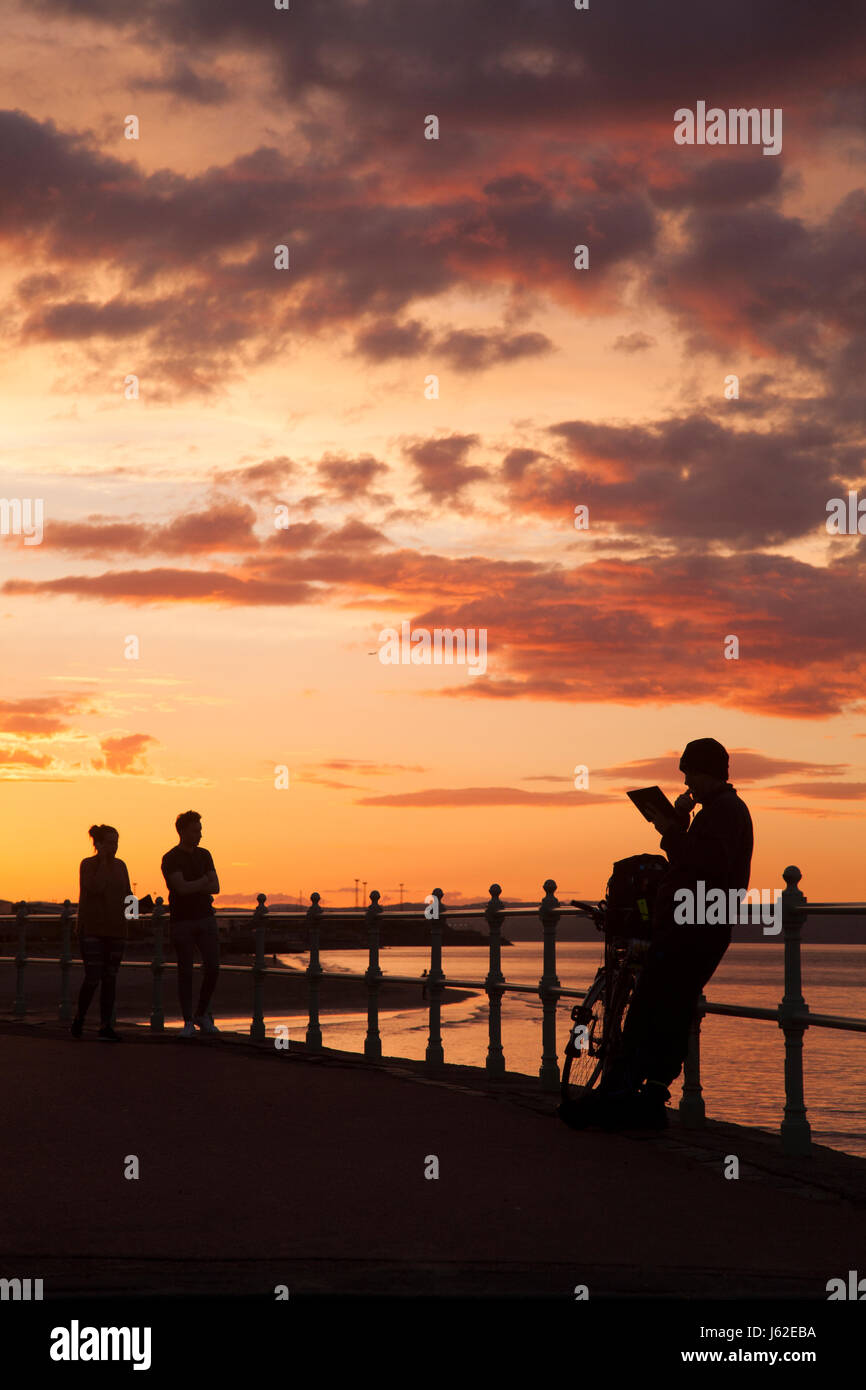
(191, 878)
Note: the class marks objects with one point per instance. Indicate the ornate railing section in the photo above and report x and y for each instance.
(792, 1014)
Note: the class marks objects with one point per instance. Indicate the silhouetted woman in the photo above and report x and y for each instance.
(102, 927)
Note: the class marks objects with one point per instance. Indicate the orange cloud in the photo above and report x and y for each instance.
(124, 754)
(486, 796)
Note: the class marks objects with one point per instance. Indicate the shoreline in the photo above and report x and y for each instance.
(233, 996)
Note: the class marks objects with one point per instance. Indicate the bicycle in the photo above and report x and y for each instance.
(603, 1011)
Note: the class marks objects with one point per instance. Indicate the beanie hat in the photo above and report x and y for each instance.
(705, 755)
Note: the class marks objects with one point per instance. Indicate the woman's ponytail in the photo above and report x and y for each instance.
(98, 833)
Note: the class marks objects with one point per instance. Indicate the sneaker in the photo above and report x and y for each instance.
(583, 1113)
(107, 1034)
(188, 1029)
(641, 1109)
(77, 1027)
(621, 1110)
(652, 1102)
(205, 1023)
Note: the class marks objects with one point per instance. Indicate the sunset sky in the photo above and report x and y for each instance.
(305, 388)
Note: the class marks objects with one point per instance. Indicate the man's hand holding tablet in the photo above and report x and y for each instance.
(655, 807)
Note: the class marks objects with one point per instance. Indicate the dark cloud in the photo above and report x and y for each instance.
(691, 478)
(642, 631)
(655, 632)
(298, 536)
(548, 62)
(516, 462)
(756, 274)
(386, 339)
(348, 477)
(170, 586)
(354, 535)
(263, 480)
(556, 129)
(720, 183)
(76, 319)
(633, 342)
(182, 80)
(228, 526)
(441, 467)
(38, 285)
(199, 302)
(469, 350)
(200, 297)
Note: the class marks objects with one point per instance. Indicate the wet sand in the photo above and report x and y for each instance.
(285, 990)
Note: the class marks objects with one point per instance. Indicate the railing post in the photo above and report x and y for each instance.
(157, 966)
(260, 970)
(692, 1110)
(314, 974)
(435, 1056)
(796, 1132)
(549, 1073)
(373, 1042)
(65, 1010)
(21, 911)
(495, 985)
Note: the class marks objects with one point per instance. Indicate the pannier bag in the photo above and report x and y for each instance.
(631, 895)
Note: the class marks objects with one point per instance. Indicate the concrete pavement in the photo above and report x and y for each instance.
(260, 1167)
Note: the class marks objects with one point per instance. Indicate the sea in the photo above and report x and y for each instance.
(742, 1060)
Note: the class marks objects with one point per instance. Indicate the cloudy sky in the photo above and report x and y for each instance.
(307, 389)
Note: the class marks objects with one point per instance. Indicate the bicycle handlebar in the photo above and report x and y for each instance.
(595, 911)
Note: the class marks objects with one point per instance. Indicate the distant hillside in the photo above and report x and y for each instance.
(822, 928)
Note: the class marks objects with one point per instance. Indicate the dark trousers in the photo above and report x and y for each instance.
(185, 937)
(655, 1039)
(102, 956)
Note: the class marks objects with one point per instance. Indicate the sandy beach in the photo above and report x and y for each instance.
(285, 990)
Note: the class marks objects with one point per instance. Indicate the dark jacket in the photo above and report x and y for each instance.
(716, 847)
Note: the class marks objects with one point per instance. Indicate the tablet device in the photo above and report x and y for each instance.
(652, 802)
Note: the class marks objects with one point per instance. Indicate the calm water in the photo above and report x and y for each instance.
(742, 1060)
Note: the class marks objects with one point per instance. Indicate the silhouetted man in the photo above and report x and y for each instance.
(716, 848)
(191, 879)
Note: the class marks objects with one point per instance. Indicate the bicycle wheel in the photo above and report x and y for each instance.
(583, 1057)
(603, 1013)
(621, 977)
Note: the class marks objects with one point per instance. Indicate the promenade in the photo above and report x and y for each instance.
(261, 1167)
